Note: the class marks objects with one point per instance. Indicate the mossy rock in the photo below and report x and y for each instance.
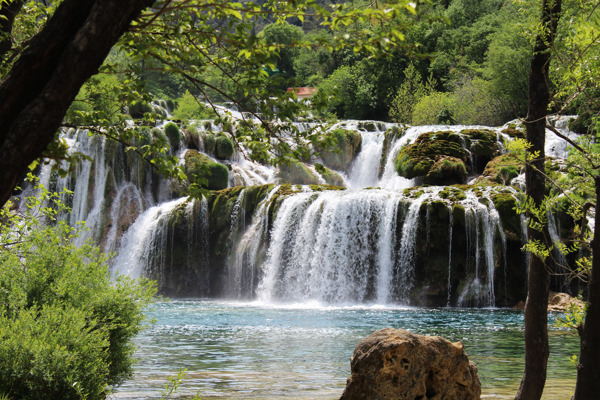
(446, 171)
(143, 136)
(191, 138)
(388, 139)
(503, 169)
(514, 132)
(223, 147)
(453, 194)
(137, 109)
(331, 177)
(201, 169)
(339, 147)
(505, 204)
(173, 134)
(418, 158)
(296, 172)
(210, 142)
(483, 145)
(584, 124)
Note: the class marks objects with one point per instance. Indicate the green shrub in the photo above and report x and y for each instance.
(65, 328)
(189, 108)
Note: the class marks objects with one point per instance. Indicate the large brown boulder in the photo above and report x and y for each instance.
(397, 364)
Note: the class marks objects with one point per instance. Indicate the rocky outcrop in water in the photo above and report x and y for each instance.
(447, 157)
(397, 364)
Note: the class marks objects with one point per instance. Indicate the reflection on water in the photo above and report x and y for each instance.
(253, 351)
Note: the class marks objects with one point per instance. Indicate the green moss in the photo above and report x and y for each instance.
(584, 124)
(505, 204)
(388, 138)
(503, 169)
(453, 194)
(438, 210)
(513, 132)
(417, 159)
(297, 173)
(137, 109)
(173, 134)
(202, 170)
(413, 192)
(191, 138)
(483, 145)
(445, 171)
(331, 177)
(223, 147)
(210, 142)
(458, 215)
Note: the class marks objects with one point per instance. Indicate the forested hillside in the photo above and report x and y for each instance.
(461, 62)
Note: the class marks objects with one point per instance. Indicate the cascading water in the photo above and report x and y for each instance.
(242, 271)
(483, 227)
(394, 244)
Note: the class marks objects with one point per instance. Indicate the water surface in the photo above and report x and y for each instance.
(256, 351)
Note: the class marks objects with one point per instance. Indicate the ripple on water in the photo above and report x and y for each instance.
(235, 350)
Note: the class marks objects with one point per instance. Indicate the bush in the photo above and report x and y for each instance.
(430, 108)
(188, 108)
(137, 109)
(65, 328)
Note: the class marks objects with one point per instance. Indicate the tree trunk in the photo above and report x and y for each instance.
(43, 82)
(8, 13)
(588, 369)
(536, 306)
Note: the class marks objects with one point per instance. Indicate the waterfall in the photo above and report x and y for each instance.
(406, 253)
(128, 203)
(242, 270)
(364, 169)
(382, 241)
(144, 241)
(483, 227)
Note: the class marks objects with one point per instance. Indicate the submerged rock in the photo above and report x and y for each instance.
(397, 364)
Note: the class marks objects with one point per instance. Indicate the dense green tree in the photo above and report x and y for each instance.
(350, 91)
(312, 65)
(411, 90)
(285, 37)
(506, 66)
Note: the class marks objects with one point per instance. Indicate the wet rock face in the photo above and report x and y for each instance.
(397, 364)
(339, 148)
